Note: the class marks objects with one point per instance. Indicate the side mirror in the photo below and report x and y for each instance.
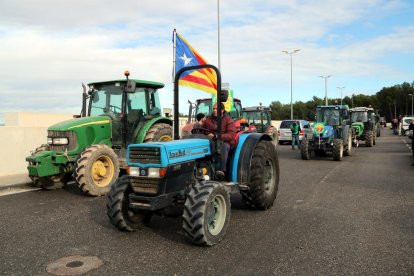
(224, 95)
(130, 86)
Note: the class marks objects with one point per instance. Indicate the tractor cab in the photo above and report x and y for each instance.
(259, 117)
(332, 115)
(128, 108)
(364, 125)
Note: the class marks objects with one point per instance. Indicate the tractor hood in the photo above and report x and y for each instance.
(80, 122)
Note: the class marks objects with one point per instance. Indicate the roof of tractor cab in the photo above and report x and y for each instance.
(140, 83)
(205, 99)
(256, 108)
(333, 107)
(361, 109)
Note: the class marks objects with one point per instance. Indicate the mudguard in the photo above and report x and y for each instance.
(242, 156)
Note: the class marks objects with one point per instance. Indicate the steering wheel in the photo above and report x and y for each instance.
(200, 130)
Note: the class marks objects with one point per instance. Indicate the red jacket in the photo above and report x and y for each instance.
(228, 129)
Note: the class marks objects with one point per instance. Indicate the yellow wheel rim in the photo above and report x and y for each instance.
(102, 171)
(165, 138)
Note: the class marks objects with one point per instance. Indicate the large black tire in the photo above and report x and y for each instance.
(206, 213)
(118, 211)
(96, 169)
(49, 182)
(338, 150)
(348, 146)
(159, 132)
(305, 150)
(369, 139)
(264, 177)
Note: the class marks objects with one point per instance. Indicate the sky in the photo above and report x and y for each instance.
(48, 48)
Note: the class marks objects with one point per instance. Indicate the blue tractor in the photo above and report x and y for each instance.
(332, 133)
(178, 178)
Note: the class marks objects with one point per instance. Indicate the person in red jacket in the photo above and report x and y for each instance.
(228, 132)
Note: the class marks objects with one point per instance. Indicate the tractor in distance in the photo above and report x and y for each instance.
(332, 133)
(259, 119)
(205, 106)
(364, 125)
(182, 178)
(92, 148)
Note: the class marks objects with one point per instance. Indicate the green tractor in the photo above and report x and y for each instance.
(332, 133)
(364, 126)
(259, 119)
(92, 148)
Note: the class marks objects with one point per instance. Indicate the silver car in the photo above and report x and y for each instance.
(285, 134)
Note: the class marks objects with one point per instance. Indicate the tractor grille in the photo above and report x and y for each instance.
(145, 185)
(144, 155)
(73, 140)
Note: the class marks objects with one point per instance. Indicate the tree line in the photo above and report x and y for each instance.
(389, 102)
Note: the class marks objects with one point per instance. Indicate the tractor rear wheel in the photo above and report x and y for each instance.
(159, 132)
(96, 169)
(118, 211)
(264, 177)
(338, 149)
(305, 149)
(369, 139)
(206, 213)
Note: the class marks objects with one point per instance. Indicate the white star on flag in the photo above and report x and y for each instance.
(186, 59)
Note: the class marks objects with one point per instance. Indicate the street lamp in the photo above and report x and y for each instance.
(326, 89)
(341, 91)
(291, 80)
(412, 95)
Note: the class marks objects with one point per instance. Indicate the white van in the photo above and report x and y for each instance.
(405, 122)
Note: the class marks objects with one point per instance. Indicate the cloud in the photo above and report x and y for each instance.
(50, 47)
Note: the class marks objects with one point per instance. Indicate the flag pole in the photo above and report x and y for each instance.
(218, 34)
(174, 66)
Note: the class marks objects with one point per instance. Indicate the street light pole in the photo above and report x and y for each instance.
(326, 89)
(291, 80)
(341, 91)
(412, 98)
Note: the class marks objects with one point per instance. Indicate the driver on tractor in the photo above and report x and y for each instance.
(228, 130)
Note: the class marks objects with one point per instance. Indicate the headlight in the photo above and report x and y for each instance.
(57, 141)
(149, 172)
(60, 141)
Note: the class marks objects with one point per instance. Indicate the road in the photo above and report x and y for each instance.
(349, 217)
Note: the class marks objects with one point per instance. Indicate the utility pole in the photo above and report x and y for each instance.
(326, 88)
(291, 80)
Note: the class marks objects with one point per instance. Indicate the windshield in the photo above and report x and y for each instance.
(359, 116)
(256, 117)
(328, 116)
(106, 99)
(237, 110)
(204, 106)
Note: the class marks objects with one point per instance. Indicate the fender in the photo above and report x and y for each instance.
(150, 123)
(242, 156)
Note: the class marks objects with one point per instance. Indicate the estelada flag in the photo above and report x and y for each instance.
(185, 55)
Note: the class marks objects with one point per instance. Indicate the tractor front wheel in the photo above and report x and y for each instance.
(118, 211)
(348, 148)
(264, 177)
(52, 182)
(96, 169)
(338, 149)
(206, 213)
(159, 132)
(305, 149)
(369, 139)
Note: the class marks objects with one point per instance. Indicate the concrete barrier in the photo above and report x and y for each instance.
(24, 132)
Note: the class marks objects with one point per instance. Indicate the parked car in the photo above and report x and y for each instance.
(285, 134)
(405, 122)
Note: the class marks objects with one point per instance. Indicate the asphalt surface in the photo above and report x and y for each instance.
(354, 217)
